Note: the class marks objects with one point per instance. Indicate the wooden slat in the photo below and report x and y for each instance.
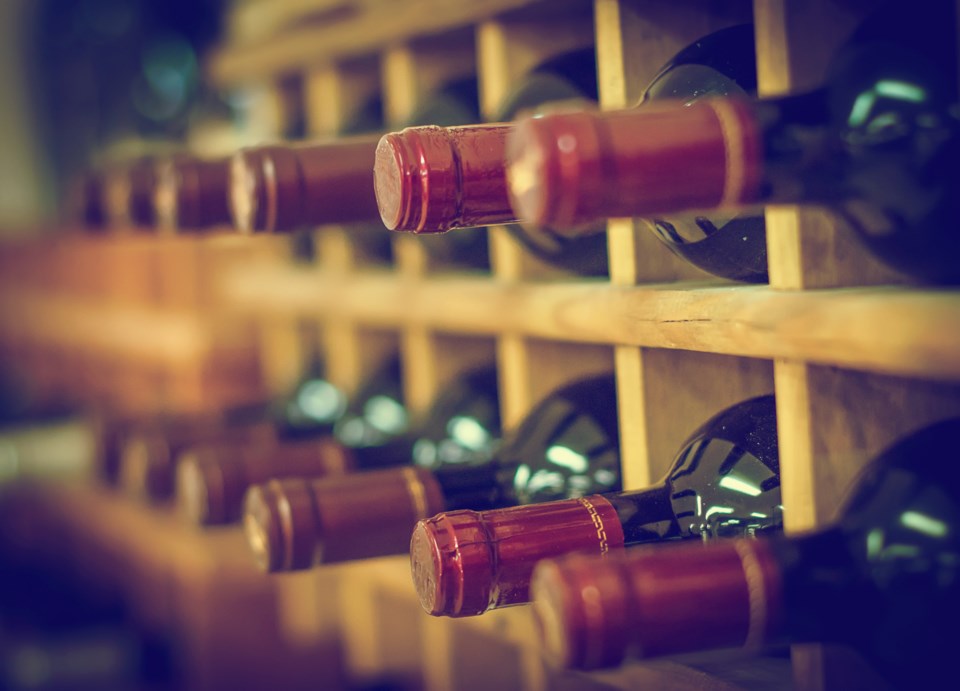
(911, 332)
(203, 588)
(147, 335)
(355, 34)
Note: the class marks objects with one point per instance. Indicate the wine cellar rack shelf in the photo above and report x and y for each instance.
(856, 355)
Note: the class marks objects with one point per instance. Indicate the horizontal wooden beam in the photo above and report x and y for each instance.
(153, 335)
(892, 330)
(364, 30)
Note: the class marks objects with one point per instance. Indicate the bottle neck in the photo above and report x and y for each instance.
(798, 163)
(822, 597)
(474, 486)
(646, 515)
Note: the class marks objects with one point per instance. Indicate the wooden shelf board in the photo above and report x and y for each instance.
(367, 29)
(150, 334)
(889, 330)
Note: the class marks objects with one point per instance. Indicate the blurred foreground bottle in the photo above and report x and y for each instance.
(876, 144)
(885, 578)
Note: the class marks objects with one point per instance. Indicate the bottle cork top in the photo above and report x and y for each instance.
(415, 180)
(466, 562)
(452, 564)
(280, 524)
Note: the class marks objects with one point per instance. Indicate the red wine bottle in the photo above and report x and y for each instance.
(128, 194)
(149, 450)
(282, 188)
(885, 578)
(567, 447)
(876, 144)
(296, 523)
(433, 179)
(724, 482)
(83, 203)
(191, 193)
(370, 431)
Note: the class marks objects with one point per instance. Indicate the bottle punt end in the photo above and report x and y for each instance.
(426, 569)
(389, 183)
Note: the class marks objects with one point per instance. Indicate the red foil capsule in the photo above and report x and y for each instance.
(466, 562)
(83, 203)
(148, 456)
(283, 188)
(294, 524)
(128, 194)
(433, 179)
(213, 479)
(648, 602)
(192, 194)
(569, 170)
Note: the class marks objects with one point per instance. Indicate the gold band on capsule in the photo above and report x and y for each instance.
(734, 151)
(756, 593)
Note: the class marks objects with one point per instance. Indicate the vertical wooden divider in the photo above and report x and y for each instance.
(831, 421)
(306, 603)
(529, 369)
(662, 395)
(411, 73)
(341, 604)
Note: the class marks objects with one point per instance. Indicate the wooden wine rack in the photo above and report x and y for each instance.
(855, 355)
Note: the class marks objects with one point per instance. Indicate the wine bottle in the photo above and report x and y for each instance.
(876, 144)
(567, 446)
(211, 479)
(724, 481)
(128, 194)
(83, 202)
(282, 188)
(149, 450)
(432, 179)
(191, 193)
(884, 578)
(297, 523)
